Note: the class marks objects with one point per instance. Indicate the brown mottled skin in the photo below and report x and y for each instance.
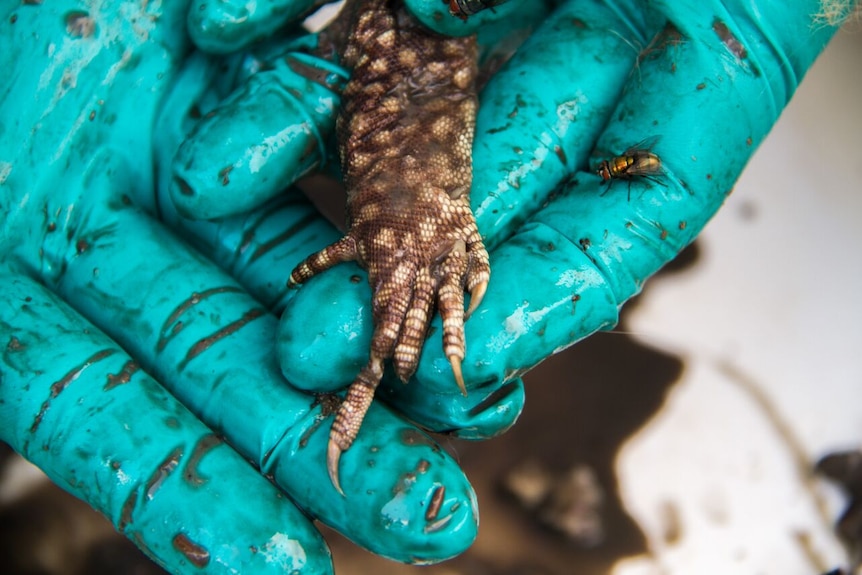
(405, 135)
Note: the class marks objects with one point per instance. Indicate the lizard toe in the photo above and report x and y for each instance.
(350, 415)
(450, 303)
(415, 326)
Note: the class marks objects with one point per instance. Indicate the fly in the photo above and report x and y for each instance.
(638, 161)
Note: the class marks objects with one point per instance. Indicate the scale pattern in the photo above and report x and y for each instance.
(405, 134)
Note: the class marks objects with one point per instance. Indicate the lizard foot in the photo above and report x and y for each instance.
(408, 278)
(405, 136)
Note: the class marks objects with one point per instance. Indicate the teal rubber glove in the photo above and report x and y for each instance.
(128, 354)
(596, 78)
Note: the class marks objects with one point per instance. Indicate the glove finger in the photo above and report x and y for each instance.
(541, 113)
(259, 247)
(211, 345)
(562, 277)
(229, 25)
(264, 136)
(77, 406)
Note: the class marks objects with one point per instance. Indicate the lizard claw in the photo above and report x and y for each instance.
(477, 294)
(333, 456)
(455, 362)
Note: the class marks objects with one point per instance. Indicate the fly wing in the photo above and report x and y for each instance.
(645, 145)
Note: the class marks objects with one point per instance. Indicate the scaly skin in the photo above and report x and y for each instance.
(405, 135)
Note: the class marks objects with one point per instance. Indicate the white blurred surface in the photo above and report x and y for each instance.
(768, 324)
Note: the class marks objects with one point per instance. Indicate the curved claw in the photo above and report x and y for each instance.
(477, 294)
(333, 456)
(343, 250)
(455, 362)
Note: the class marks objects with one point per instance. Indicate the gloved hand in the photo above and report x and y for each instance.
(707, 79)
(127, 354)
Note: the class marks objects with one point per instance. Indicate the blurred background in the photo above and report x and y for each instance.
(684, 442)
